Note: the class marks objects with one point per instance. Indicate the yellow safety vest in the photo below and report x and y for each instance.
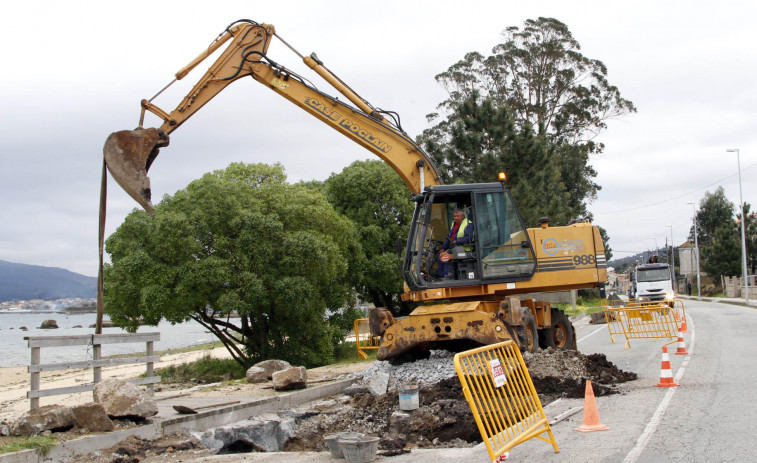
(461, 232)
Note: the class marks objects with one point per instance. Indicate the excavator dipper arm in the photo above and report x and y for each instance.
(129, 153)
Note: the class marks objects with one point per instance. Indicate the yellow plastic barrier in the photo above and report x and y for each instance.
(363, 339)
(680, 313)
(501, 395)
(642, 320)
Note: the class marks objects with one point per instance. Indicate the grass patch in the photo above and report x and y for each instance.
(181, 350)
(39, 443)
(583, 305)
(204, 370)
(346, 352)
(213, 370)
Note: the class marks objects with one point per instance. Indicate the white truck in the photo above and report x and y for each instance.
(652, 282)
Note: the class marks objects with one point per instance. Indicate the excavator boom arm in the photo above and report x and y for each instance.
(129, 153)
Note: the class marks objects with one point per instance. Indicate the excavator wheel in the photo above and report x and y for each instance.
(563, 335)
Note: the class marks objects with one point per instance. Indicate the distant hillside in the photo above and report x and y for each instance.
(24, 282)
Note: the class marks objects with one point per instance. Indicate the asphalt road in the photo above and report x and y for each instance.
(708, 417)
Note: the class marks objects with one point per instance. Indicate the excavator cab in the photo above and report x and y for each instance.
(500, 251)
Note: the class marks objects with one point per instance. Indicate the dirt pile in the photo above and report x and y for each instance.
(444, 418)
(558, 373)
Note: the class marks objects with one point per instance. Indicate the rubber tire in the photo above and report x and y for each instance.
(529, 323)
(563, 335)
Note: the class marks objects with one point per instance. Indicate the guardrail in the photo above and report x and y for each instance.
(36, 343)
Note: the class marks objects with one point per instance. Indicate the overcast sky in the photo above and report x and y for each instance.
(75, 71)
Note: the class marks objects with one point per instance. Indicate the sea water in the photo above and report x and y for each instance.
(14, 350)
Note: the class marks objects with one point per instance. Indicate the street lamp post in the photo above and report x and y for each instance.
(655, 245)
(696, 246)
(672, 258)
(743, 226)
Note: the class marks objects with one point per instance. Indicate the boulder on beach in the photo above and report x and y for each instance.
(48, 325)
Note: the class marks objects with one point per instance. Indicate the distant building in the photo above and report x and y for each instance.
(687, 259)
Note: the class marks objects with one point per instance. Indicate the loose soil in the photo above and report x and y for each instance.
(444, 418)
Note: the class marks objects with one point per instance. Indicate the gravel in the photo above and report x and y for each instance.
(440, 365)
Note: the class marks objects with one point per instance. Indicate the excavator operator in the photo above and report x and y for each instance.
(460, 234)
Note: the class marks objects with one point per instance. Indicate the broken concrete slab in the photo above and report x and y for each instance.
(291, 378)
(268, 433)
(122, 399)
(47, 418)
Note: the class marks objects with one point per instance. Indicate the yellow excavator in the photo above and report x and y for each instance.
(480, 303)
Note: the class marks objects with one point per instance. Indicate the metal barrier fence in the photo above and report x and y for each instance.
(363, 339)
(501, 395)
(97, 363)
(643, 320)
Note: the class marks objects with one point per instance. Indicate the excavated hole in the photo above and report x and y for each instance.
(444, 418)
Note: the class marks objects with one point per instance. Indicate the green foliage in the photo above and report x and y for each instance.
(606, 243)
(238, 241)
(205, 370)
(751, 239)
(346, 352)
(39, 443)
(376, 199)
(484, 140)
(722, 256)
(714, 211)
(539, 75)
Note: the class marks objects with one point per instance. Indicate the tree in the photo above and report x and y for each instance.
(714, 211)
(540, 76)
(751, 239)
(238, 242)
(722, 256)
(374, 197)
(750, 235)
(483, 140)
(606, 243)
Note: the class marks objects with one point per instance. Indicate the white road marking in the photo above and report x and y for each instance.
(643, 440)
(591, 334)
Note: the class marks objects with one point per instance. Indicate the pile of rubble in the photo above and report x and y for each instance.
(117, 404)
(443, 418)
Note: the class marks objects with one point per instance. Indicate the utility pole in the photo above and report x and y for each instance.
(696, 245)
(673, 257)
(743, 226)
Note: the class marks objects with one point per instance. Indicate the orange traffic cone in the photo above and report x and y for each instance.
(684, 328)
(591, 413)
(681, 346)
(666, 375)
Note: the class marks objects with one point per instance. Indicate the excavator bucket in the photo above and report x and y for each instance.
(128, 155)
